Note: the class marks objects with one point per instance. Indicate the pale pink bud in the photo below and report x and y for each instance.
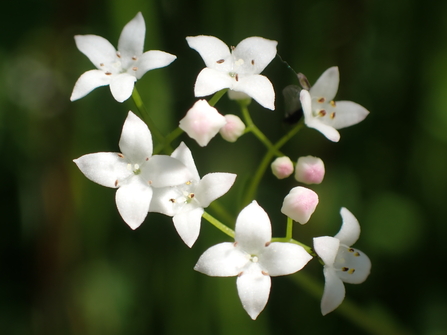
(309, 170)
(202, 122)
(299, 204)
(282, 167)
(233, 129)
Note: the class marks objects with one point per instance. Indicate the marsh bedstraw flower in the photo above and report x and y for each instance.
(324, 114)
(134, 171)
(342, 263)
(282, 167)
(238, 69)
(186, 202)
(119, 69)
(253, 258)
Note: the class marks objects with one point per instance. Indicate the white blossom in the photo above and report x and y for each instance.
(253, 258)
(134, 171)
(324, 114)
(186, 202)
(238, 69)
(300, 204)
(119, 69)
(342, 263)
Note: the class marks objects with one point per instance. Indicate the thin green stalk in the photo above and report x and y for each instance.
(348, 309)
(289, 228)
(216, 97)
(145, 116)
(219, 225)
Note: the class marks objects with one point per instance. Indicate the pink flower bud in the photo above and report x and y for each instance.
(202, 122)
(309, 170)
(282, 167)
(299, 204)
(233, 129)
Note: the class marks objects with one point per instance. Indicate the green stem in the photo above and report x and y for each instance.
(289, 228)
(219, 225)
(145, 116)
(349, 310)
(216, 97)
(252, 188)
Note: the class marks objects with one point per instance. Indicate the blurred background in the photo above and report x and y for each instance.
(70, 265)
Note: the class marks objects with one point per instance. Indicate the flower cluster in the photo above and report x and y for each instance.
(147, 181)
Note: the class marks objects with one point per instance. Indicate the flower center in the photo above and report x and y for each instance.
(135, 168)
(323, 109)
(347, 260)
(185, 195)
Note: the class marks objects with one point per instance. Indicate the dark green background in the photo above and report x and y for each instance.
(70, 265)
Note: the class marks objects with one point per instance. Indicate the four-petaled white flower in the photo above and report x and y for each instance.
(119, 69)
(186, 202)
(253, 258)
(324, 114)
(342, 263)
(134, 171)
(238, 69)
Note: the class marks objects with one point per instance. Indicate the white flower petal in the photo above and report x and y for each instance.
(300, 204)
(184, 155)
(161, 202)
(222, 260)
(104, 168)
(121, 86)
(213, 186)
(257, 53)
(153, 59)
(253, 229)
(258, 87)
(280, 259)
(350, 230)
(326, 248)
(133, 201)
(96, 48)
(131, 41)
(87, 82)
(136, 140)
(253, 288)
(161, 171)
(331, 133)
(327, 85)
(357, 263)
(347, 113)
(211, 49)
(334, 291)
(210, 81)
(188, 225)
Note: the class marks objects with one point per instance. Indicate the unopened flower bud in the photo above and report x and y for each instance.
(233, 129)
(202, 122)
(309, 170)
(282, 167)
(300, 204)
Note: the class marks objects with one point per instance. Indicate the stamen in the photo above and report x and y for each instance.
(108, 73)
(322, 113)
(188, 182)
(149, 182)
(356, 254)
(252, 62)
(120, 155)
(220, 61)
(237, 77)
(101, 64)
(332, 103)
(240, 274)
(344, 269)
(321, 100)
(191, 195)
(267, 243)
(172, 200)
(332, 116)
(351, 271)
(116, 183)
(232, 48)
(134, 58)
(134, 68)
(118, 54)
(235, 244)
(147, 158)
(351, 250)
(265, 273)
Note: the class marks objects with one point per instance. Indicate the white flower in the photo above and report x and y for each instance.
(324, 114)
(342, 263)
(186, 202)
(119, 69)
(282, 167)
(309, 170)
(134, 171)
(253, 258)
(300, 204)
(202, 122)
(238, 69)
